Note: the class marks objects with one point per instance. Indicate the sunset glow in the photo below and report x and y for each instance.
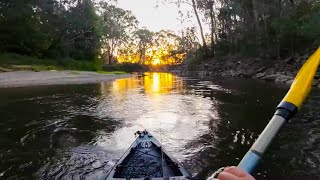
(153, 56)
(156, 62)
(162, 48)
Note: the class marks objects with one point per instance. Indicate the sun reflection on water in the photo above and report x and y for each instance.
(153, 83)
(157, 102)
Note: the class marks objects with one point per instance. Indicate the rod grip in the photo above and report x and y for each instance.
(250, 161)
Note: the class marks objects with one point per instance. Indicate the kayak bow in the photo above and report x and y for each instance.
(145, 160)
(287, 108)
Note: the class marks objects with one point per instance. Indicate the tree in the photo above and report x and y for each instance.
(188, 42)
(20, 32)
(144, 40)
(85, 31)
(204, 44)
(207, 7)
(166, 45)
(159, 48)
(119, 25)
(194, 4)
(50, 28)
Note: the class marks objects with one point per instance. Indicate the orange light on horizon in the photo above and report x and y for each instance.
(153, 56)
(156, 61)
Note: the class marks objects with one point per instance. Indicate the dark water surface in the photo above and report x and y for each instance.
(79, 131)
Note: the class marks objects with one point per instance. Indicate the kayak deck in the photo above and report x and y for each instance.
(146, 162)
(145, 159)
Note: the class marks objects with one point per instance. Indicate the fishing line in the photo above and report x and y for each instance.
(163, 172)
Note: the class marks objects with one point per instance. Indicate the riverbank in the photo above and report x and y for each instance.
(30, 78)
(16, 62)
(279, 71)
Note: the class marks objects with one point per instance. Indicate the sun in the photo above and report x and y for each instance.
(156, 61)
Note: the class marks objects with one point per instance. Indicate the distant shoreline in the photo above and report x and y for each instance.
(272, 70)
(30, 78)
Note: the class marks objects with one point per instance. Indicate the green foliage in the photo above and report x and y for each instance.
(83, 65)
(144, 35)
(86, 42)
(145, 39)
(23, 62)
(269, 28)
(118, 27)
(19, 28)
(56, 30)
(126, 67)
(112, 72)
(97, 64)
(16, 59)
(195, 59)
(34, 67)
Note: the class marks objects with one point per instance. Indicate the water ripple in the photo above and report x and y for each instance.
(80, 131)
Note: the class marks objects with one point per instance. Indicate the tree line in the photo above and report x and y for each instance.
(50, 28)
(90, 30)
(84, 30)
(267, 28)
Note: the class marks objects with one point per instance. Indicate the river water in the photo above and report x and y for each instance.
(79, 131)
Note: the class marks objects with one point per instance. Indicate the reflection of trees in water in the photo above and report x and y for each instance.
(45, 121)
(294, 153)
(221, 146)
(230, 136)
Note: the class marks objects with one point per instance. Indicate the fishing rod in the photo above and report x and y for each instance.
(287, 108)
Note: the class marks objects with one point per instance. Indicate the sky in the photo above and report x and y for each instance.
(155, 18)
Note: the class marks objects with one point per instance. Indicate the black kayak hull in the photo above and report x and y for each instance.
(147, 160)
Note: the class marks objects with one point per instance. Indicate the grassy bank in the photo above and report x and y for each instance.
(112, 72)
(14, 62)
(126, 67)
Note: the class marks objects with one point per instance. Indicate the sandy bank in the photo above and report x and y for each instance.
(29, 78)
